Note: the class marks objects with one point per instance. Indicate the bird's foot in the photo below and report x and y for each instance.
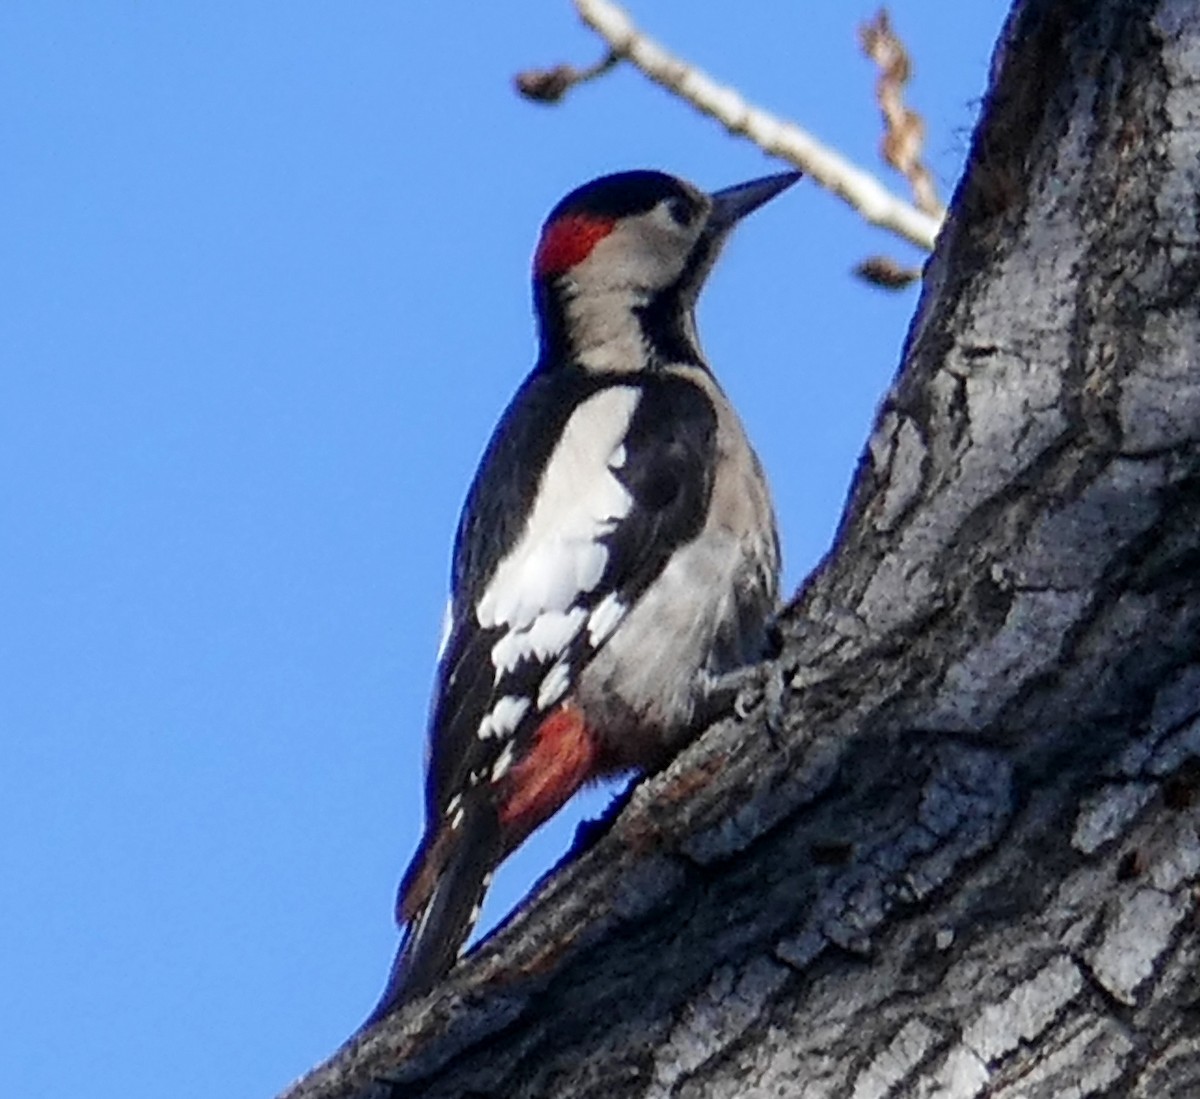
(743, 692)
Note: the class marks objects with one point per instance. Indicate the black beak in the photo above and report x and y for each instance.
(732, 204)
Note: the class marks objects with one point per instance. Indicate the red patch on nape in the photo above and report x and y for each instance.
(567, 241)
(563, 756)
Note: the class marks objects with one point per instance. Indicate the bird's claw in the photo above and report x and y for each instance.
(743, 692)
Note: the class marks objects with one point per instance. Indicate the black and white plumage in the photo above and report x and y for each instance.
(616, 555)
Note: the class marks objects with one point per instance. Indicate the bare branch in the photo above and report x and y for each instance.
(904, 129)
(773, 135)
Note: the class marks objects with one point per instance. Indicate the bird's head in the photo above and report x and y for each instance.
(636, 245)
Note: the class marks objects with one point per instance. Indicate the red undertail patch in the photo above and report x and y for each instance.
(569, 241)
(563, 756)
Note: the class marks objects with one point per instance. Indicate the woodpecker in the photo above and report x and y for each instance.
(616, 561)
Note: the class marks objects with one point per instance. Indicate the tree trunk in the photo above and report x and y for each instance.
(966, 863)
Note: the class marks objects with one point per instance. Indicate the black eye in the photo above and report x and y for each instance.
(680, 210)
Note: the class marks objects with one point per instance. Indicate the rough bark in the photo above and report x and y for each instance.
(968, 862)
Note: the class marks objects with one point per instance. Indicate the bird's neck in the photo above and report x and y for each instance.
(616, 330)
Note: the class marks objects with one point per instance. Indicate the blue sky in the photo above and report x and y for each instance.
(264, 292)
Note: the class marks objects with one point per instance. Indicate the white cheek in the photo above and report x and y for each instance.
(641, 255)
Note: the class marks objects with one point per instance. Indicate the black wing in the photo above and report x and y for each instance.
(663, 460)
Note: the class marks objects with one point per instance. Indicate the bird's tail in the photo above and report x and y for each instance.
(439, 904)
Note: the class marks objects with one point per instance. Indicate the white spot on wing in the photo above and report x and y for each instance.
(472, 920)
(558, 556)
(547, 637)
(503, 762)
(554, 685)
(447, 627)
(476, 912)
(605, 618)
(504, 717)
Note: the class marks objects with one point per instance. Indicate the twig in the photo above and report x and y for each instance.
(886, 273)
(783, 139)
(903, 128)
(550, 85)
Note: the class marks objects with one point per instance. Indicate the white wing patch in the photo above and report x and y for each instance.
(549, 635)
(503, 762)
(536, 590)
(503, 718)
(605, 618)
(554, 685)
(559, 555)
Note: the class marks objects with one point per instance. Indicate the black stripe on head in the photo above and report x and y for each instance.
(668, 319)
